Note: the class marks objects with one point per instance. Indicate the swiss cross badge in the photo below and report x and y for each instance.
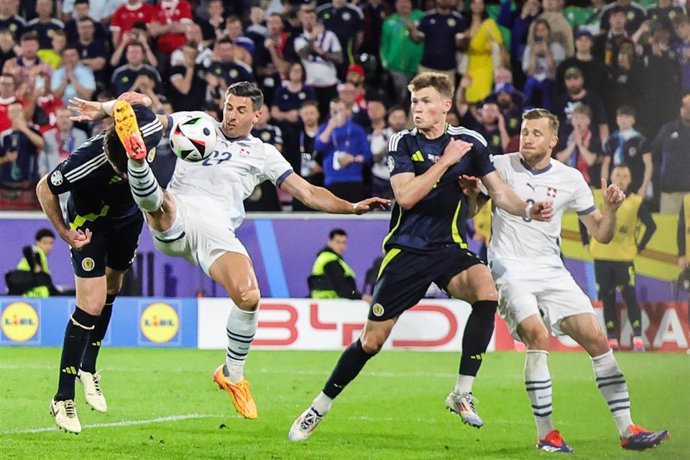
(551, 192)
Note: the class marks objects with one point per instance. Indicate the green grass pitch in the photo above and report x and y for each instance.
(163, 404)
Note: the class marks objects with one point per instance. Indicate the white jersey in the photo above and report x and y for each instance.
(220, 183)
(521, 243)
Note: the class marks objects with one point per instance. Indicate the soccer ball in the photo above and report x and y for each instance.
(194, 137)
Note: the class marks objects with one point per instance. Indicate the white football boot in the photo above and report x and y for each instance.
(463, 405)
(305, 425)
(92, 390)
(65, 414)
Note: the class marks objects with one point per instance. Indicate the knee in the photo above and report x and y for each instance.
(596, 343)
(91, 305)
(248, 299)
(536, 339)
(372, 343)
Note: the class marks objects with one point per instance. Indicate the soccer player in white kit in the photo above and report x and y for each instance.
(197, 215)
(536, 291)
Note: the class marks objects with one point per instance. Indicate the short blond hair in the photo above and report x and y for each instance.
(439, 81)
(536, 114)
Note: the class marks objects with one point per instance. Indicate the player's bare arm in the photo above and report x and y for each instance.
(601, 224)
(410, 189)
(471, 187)
(50, 203)
(322, 200)
(505, 198)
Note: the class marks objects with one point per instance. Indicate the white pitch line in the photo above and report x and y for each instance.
(169, 418)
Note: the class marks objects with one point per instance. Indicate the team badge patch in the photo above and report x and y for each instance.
(377, 309)
(56, 178)
(151, 155)
(451, 22)
(391, 163)
(88, 264)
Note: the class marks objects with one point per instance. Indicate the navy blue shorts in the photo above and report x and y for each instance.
(405, 277)
(114, 243)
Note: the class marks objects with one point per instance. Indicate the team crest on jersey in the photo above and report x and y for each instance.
(265, 136)
(451, 22)
(377, 310)
(391, 163)
(233, 73)
(88, 264)
(244, 152)
(56, 178)
(632, 151)
(301, 95)
(347, 16)
(151, 155)
(551, 192)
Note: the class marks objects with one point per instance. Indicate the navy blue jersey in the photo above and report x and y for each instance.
(45, 31)
(95, 188)
(438, 220)
(439, 38)
(14, 24)
(231, 72)
(343, 22)
(286, 100)
(270, 134)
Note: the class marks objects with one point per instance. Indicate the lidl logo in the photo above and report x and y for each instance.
(19, 322)
(159, 322)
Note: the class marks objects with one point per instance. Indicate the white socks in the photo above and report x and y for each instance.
(322, 404)
(145, 190)
(539, 391)
(463, 384)
(240, 329)
(612, 386)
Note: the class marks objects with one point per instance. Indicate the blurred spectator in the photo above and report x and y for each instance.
(607, 43)
(53, 55)
(345, 21)
(21, 145)
(204, 55)
(443, 32)
(256, 31)
(265, 196)
(375, 13)
(582, 148)
(487, 120)
(35, 261)
(665, 12)
(32, 74)
(378, 136)
(351, 96)
(287, 101)
(72, 79)
(627, 146)
(81, 11)
(634, 13)
(169, 23)
(225, 69)
(343, 145)
(585, 17)
(331, 277)
(400, 55)
(511, 103)
(10, 20)
(627, 80)
(681, 48)
(517, 18)
(101, 11)
(187, 83)
(212, 28)
(93, 53)
(138, 33)
(540, 61)
(233, 31)
(561, 32)
(131, 76)
(45, 25)
(614, 266)
(7, 46)
(270, 62)
(671, 153)
(595, 72)
(485, 47)
(8, 97)
(311, 164)
(577, 94)
(660, 80)
(127, 15)
(320, 52)
(60, 142)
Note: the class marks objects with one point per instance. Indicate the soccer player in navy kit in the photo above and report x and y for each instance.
(103, 228)
(425, 244)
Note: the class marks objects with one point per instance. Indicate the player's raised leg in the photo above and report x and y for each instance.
(349, 365)
(536, 337)
(234, 271)
(584, 329)
(476, 286)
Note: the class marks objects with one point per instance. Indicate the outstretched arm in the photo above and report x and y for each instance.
(505, 198)
(320, 199)
(50, 203)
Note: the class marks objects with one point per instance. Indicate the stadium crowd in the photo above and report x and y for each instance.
(335, 78)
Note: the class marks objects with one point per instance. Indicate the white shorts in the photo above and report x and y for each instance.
(552, 293)
(196, 236)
